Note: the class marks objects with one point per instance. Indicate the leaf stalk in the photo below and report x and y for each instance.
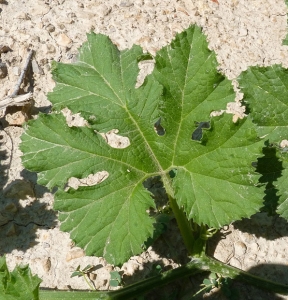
(196, 266)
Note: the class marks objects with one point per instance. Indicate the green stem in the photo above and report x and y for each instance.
(197, 265)
(183, 225)
(89, 284)
(207, 263)
(129, 292)
(181, 218)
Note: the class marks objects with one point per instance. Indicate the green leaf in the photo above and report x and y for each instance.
(213, 179)
(266, 95)
(18, 284)
(115, 278)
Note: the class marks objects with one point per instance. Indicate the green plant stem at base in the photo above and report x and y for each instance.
(183, 225)
(196, 266)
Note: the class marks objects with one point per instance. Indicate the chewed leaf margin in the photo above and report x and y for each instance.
(111, 219)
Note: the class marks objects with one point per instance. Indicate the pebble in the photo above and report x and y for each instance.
(126, 3)
(50, 28)
(48, 48)
(103, 10)
(75, 253)
(36, 69)
(3, 70)
(22, 16)
(240, 248)
(4, 49)
(64, 40)
(46, 264)
(16, 71)
(39, 9)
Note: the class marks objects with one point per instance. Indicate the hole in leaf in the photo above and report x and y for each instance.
(158, 128)
(145, 68)
(73, 119)
(90, 180)
(284, 146)
(114, 140)
(197, 133)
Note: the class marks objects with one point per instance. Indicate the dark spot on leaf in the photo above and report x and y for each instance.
(158, 128)
(197, 133)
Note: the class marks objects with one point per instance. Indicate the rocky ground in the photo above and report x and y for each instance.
(241, 32)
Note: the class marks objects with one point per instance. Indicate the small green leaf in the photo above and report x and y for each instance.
(76, 273)
(115, 278)
(18, 284)
(87, 268)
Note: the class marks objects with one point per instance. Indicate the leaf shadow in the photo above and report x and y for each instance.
(22, 207)
(190, 287)
(173, 291)
(166, 240)
(268, 223)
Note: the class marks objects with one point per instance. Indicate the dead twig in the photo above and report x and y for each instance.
(17, 86)
(14, 99)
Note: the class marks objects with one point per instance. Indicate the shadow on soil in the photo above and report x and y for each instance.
(192, 287)
(21, 211)
(267, 224)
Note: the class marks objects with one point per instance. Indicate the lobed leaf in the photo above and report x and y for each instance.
(215, 182)
(266, 94)
(18, 284)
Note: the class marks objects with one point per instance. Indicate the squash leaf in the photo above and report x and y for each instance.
(18, 284)
(167, 121)
(266, 95)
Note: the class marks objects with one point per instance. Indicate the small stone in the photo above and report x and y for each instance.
(22, 16)
(240, 248)
(49, 48)
(64, 40)
(4, 49)
(3, 70)
(16, 71)
(92, 276)
(39, 9)
(126, 3)
(103, 10)
(46, 263)
(75, 253)
(16, 119)
(50, 28)
(36, 69)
